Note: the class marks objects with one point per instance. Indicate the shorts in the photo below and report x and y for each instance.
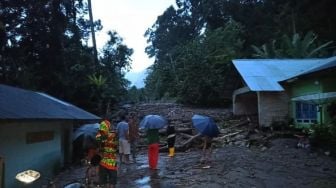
(107, 176)
(124, 147)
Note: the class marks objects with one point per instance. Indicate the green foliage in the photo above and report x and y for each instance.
(294, 47)
(97, 81)
(331, 109)
(196, 73)
(266, 51)
(41, 48)
(193, 53)
(136, 95)
(325, 135)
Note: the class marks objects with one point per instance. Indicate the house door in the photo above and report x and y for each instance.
(2, 172)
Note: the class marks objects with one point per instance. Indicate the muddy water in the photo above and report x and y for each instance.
(280, 165)
(139, 175)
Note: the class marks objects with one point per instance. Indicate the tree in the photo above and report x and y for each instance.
(294, 47)
(42, 49)
(95, 53)
(198, 74)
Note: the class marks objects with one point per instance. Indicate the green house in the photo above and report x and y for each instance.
(311, 92)
(285, 89)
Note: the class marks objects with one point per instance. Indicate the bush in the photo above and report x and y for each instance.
(324, 136)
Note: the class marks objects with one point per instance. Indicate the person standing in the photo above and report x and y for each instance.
(108, 150)
(133, 134)
(153, 148)
(171, 134)
(207, 150)
(123, 135)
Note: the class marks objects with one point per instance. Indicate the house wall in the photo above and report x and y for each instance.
(315, 83)
(273, 106)
(303, 87)
(45, 157)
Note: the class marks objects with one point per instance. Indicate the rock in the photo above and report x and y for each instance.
(263, 148)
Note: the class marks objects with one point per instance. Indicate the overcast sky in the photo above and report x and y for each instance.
(130, 19)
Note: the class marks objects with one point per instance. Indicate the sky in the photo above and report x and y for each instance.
(130, 19)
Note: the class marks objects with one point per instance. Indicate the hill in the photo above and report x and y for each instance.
(137, 78)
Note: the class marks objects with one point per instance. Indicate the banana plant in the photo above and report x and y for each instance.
(292, 47)
(98, 81)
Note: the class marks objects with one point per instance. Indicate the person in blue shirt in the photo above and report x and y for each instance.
(123, 135)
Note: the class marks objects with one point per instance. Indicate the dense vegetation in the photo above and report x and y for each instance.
(194, 44)
(44, 46)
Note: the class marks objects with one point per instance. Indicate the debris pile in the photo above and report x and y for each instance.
(240, 131)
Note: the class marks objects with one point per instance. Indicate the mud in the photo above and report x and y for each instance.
(281, 164)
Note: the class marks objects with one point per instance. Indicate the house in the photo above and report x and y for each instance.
(267, 92)
(311, 92)
(35, 133)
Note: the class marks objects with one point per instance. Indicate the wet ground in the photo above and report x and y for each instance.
(279, 165)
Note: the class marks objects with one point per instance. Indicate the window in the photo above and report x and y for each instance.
(34, 137)
(305, 113)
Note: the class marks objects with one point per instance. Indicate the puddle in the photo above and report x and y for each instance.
(142, 166)
(142, 181)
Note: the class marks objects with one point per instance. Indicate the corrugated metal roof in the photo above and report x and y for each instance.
(265, 74)
(16, 103)
(327, 63)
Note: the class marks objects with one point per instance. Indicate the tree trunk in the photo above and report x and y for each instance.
(95, 54)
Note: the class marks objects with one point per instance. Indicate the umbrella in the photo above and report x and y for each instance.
(153, 122)
(205, 125)
(87, 130)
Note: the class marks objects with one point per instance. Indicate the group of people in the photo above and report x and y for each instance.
(122, 140)
(111, 142)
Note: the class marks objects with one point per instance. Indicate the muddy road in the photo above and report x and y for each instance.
(279, 165)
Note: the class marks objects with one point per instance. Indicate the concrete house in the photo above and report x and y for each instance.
(35, 133)
(264, 94)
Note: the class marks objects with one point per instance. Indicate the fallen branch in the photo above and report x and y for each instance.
(245, 122)
(184, 130)
(228, 135)
(186, 144)
(184, 135)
